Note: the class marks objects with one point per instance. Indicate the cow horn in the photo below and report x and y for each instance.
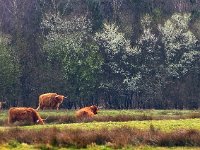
(65, 96)
(100, 107)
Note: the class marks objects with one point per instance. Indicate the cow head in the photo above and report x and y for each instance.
(94, 109)
(40, 121)
(59, 98)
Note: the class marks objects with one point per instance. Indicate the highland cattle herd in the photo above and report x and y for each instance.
(46, 101)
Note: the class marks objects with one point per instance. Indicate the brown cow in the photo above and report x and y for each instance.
(24, 115)
(50, 101)
(2, 104)
(86, 112)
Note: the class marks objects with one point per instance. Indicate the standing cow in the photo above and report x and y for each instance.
(50, 101)
(2, 104)
(86, 112)
(24, 115)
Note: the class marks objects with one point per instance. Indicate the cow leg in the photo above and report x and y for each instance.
(42, 107)
(38, 107)
(45, 108)
(57, 107)
(10, 120)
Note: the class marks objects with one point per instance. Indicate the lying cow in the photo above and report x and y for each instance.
(86, 112)
(50, 101)
(24, 115)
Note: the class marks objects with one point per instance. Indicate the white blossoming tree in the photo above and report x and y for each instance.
(180, 45)
(114, 47)
(182, 59)
(117, 53)
(148, 80)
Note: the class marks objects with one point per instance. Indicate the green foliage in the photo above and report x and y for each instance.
(82, 68)
(9, 69)
(157, 14)
(80, 61)
(80, 64)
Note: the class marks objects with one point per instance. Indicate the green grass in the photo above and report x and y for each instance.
(104, 112)
(148, 112)
(162, 125)
(130, 112)
(56, 113)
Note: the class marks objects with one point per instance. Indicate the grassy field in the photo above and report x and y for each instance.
(109, 129)
(23, 146)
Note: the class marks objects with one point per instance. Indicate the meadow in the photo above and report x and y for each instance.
(109, 129)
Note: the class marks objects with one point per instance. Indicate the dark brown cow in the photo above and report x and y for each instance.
(86, 112)
(50, 101)
(2, 104)
(24, 115)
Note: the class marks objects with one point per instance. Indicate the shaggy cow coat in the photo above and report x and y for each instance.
(50, 101)
(24, 114)
(86, 112)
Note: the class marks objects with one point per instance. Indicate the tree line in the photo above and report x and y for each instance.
(119, 54)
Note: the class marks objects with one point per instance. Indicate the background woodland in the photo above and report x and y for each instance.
(118, 54)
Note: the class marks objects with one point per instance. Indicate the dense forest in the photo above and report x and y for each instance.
(118, 54)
